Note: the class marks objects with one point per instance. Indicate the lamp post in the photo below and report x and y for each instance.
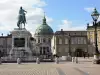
(95, 16)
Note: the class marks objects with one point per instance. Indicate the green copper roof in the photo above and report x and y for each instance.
(44, 28)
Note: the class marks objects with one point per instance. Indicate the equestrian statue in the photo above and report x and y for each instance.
(21, 18)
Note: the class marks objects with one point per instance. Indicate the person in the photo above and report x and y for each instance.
(22, 13)
(21, 17)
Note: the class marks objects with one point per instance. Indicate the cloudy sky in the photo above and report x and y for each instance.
(60, 14)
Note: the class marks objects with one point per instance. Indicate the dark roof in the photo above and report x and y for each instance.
(67, 32)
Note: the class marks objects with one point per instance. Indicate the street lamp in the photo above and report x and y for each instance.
(95, 16)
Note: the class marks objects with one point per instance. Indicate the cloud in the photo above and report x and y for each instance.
(89, 9)
(9, 13)
(68, 26)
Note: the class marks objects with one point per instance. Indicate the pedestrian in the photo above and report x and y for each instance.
(84, 55)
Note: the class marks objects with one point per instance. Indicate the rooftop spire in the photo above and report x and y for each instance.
(44, 20)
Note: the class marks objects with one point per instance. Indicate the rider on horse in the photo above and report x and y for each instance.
(21, 18)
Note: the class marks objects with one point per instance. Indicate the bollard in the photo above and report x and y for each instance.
(37, 61)
(76, 59)
(18, 61)
(73, 59)
(57, 60)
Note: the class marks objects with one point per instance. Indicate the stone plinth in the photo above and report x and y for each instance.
(21, 44)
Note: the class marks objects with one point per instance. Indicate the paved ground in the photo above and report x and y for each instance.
(84, 67)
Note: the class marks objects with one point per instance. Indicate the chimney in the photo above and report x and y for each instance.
(61, 29)
(2, 34)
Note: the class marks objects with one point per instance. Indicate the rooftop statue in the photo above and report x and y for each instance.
(21, 18)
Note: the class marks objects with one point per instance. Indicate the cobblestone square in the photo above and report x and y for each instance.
(84, 67)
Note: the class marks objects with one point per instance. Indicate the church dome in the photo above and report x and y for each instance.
(44, 29)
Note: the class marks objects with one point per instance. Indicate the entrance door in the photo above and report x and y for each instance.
(79, 52)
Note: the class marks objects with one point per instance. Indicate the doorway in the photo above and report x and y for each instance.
(79, 53)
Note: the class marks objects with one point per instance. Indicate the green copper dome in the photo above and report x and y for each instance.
(44, 29)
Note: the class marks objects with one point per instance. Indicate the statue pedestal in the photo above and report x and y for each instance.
(21, 45)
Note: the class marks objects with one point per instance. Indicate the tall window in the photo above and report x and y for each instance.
(40, 50)
(47, 49)
(74, 40)
(60, 41)
(44, 50)
(59, 50)
(91, 39)
(44, 40)
(84, 40)
(49, 40)
(38, 40)
(66, 40)
(79, 40)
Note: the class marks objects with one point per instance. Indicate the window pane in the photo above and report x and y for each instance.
(60, 41)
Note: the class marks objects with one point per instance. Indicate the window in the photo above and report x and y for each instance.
(40, 50)
(66, 49)
(47, 49)
(91, 33)
(79, 40)
(49, 40)
(74, 40)
(66, 40)
(44, 52)
(84, 40)
(98, 39)
(59, 50)
(60, 41)
(44, 40)
(38, 40)
(91, 39)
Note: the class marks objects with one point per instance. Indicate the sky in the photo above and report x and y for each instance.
(61, 14)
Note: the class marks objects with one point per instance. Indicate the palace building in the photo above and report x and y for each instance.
(47, 43)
